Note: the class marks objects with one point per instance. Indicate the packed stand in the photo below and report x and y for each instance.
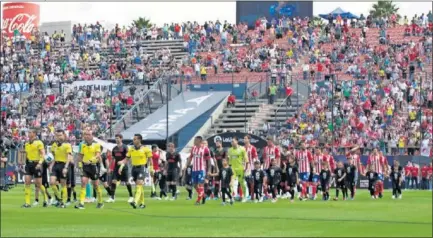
(382, 91)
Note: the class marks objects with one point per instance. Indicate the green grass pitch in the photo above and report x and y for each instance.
(409, 217)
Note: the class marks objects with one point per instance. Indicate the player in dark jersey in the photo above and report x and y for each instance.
(187, 179)
(325, 179)
(172, 167)
(350, 177)
(45, 182)
(103, 174)
(219, 154)
(372, 177)
(162, 181)
(120, 173)
(396, 179)
(292, 176)
(258, 176)
(284, 161)
(209, 179)
(340, 175)
(226, 178)
(275, 174)
(70, 182)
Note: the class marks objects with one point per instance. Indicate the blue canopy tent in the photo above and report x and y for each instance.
(339, 11)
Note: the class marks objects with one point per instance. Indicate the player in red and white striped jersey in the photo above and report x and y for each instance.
(200, 160)
(331, 160)
(252, 157)
(270, 152)
(304, 159)
(380, 166)
(318, 159)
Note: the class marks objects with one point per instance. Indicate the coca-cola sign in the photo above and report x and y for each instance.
(23, 17)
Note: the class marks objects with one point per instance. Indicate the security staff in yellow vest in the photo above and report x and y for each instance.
(35, 156)
(62, 152)
(89, 155)
(140, 156)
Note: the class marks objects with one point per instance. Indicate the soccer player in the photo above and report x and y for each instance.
(200, 160)
(173, 165)
(350, 177)
(325, 179)
(238, 160)
(89, 155)
(219, 154)
(156, 160)
(162, 182)
(292, 175)
(269, 152)
(62, 152)
(208, 181)
(380, 166)
(140, 156)
(187, 180)
(103, 175)
(396, 179)
(304, 158)
(285, 153)
(227, 176)
(372, 179)
(340, 175)
(35, 156)
(318, 159)
(252, 157)
(70, 183)
(275, 174)
(119, 154)
(259, 176)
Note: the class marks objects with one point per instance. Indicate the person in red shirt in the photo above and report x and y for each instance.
(430, 175)
(407, 176)
(156, 159)
(414, 171)
(231, 100)
(289, 93)
(424, 177)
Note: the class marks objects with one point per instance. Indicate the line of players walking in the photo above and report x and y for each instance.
(235, 173)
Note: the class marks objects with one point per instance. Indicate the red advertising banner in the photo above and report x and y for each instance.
(20, 16)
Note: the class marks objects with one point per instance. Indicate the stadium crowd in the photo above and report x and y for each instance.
(377, 78)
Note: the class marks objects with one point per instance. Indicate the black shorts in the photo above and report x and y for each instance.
(341, 184)
(258, 187)
(137, 173)
(156, 176)
(45, 180)
(291, 183)
(103, 178)
(188, 180)
(70, 179)
(123, 177)
(91, 171)
(57, 170)
(324, 186)
(30, 169)
(350, 183)
(172, 175)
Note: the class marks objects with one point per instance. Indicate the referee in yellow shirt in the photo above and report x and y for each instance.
(140, 157)
(35, 156)
(89, 155)
(62, 152)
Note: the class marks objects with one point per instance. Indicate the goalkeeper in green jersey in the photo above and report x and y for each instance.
(238, 159)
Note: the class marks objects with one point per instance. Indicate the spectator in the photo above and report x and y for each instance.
(231, 100)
